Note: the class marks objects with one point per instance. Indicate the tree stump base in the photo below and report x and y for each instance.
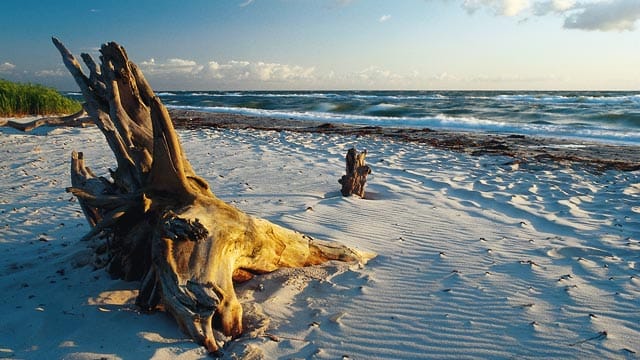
(354, 181)
(160, 223)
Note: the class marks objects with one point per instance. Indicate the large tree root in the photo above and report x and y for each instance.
(162, 224)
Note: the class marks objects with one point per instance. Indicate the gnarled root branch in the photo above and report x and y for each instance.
(163, 224)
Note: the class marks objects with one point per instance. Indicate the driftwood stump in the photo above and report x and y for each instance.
(157, 222)
(353, 182)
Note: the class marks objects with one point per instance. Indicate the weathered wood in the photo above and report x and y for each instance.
(356, 173)
(79, 119)
(158, 222)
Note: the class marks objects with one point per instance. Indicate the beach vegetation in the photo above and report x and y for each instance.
(18, 99)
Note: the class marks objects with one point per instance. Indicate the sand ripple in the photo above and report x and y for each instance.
(477, 258)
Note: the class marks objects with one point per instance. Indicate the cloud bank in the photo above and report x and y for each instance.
(257, 75)
(618, 15)
(6, 67)
(227, 73)
(600, 15)
(257, 71)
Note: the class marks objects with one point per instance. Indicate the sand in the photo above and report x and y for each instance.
(480, 256)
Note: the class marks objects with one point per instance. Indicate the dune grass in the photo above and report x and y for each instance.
(18, 99)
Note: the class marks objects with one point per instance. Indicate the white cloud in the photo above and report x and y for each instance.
(512, 78)
(51, 73)
(181, 64)
(258, 71)
(6, 67)
(246, 3)
(384, 18)
(602, 15)
(500, 7)
(234, 71)
(612, 15)
(171, 66)
(374, 77)
(553, 6)
(375, 74)
(444, 76)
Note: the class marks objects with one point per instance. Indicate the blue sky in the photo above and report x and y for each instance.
(335, 44)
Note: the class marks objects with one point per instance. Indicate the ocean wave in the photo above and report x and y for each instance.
(537, 98)
(294, 95)
(402, 97)
(384, 106)
(317, 95)
(283, 95)
(417, 96)
(612, 99)
(204, 94)
(443, 122)
(323, 95)
(323, 107)
(629, 120)
(542, 122)
(387, 109)
(564, 99)
(373, 96)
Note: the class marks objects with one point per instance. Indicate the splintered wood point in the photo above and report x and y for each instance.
(157, 222)
(356, 177)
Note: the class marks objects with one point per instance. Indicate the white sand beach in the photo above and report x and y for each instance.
(478, 257)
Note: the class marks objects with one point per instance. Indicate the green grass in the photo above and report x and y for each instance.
(29, 99)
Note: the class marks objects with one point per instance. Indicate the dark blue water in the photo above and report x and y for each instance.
(601, 116)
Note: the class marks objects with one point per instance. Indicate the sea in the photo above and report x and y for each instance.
(603, 116)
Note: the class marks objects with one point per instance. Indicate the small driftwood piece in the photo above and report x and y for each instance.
(353, 182)
(78, 119)
(157, 222)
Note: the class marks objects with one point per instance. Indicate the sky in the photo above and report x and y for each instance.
(335, 44)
